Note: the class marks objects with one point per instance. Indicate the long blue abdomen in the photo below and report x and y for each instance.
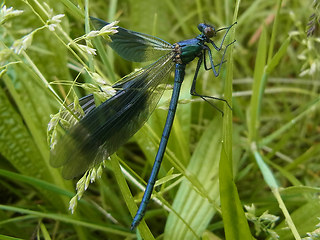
(178, 79)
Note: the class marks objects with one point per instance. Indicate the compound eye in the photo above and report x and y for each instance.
(209, 32)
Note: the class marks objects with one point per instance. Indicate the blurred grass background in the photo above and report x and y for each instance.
(253, 173)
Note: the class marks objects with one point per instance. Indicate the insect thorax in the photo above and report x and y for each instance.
(188, 50)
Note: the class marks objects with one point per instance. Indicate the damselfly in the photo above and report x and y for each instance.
(105, 128)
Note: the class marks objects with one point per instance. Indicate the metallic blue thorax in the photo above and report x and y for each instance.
(190, 49)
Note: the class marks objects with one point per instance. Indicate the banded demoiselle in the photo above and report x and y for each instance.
(105, 128)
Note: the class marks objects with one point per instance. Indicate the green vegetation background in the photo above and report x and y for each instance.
(253, 173)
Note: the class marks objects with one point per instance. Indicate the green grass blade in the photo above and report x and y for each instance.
(67, 219)
(190, 204)
(255, 107)
(234, 220)
(124, 188)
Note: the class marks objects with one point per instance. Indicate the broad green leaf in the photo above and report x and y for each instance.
(196, 210)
